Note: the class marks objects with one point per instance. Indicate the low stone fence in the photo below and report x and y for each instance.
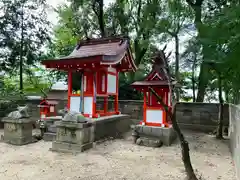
(111, 127)
(194, 116)
(200, 116)
(234, 134)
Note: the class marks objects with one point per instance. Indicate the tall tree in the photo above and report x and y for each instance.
(97, 6)
(191, 59)
(177, 19)
(24, 31)
(172, 115)
(222, 46)
(203, 75)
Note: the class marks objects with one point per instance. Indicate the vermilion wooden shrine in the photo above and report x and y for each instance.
(99, 61)
(154, 113)
(47, 108)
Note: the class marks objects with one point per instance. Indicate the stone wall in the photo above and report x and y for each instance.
(200, 116)
(115, 126)
(234, 134)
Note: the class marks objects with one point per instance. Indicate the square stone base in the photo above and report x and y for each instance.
(69, 148)
(19, 141)
(18, 132)
(165, 135)
(49, 136)
(73, 137)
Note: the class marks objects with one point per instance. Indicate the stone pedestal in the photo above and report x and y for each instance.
(151, 135)
(50, 123)
(73, 137)
(17, 132)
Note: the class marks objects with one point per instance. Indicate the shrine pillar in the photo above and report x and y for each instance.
(69, 88)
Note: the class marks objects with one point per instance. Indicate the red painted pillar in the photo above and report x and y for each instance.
(116, 96)
(145, 107)
(69, 87)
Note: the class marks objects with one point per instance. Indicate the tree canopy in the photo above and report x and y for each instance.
(212, 27)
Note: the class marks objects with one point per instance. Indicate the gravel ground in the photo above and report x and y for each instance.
(117, 160)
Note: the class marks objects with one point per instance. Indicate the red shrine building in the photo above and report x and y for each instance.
(98, 62)
(47, 108)
(154, 113)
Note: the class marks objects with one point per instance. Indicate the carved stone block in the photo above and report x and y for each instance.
(17, 132)
(73, 136)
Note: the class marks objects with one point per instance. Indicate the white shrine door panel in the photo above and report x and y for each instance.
(154, 116)
(88, 105)
(111, 80)
(75, 103)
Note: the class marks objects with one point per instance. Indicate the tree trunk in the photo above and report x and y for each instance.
(177, 65)
(193, 77)
(101, 18)
(203, 75)
(21, 55)
(202, 82)
(97, 7)
(184, 144)
(185, 148)
(219, 134)
(172, 116)
(227, 96)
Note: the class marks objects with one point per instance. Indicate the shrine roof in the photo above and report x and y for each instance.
(112, 50)
(48, 102)
(159, 74)
(96, 47)
(153, 83)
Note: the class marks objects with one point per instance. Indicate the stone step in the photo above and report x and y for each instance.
(52, 129)
(48, 136)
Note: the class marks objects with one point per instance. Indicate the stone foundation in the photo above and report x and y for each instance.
(50, 134)
(51, 120)
(18, 132)
(107, 126)
(73, 137)
(152, 136)
(111, 126)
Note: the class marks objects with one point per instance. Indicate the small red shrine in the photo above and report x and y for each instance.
(99, 62)
(47, 108)
(154, 113)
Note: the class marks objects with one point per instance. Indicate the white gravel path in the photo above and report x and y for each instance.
(117, 160)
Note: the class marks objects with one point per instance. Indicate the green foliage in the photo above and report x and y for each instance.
(37, 81)
(178, 15)
(222, 44)
(23, 22)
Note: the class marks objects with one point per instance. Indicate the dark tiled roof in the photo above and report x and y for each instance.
(113, 46)
(102, 51)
